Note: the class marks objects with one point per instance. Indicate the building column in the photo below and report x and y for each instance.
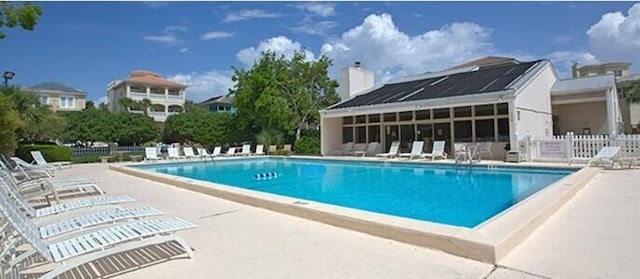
(166, 93)
(611, 112)
(148, 92)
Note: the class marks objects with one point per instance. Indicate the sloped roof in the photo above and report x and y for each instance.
(480, 80)
(218, 100)
(485, 61)
(583, 84)
(148, 77)
(54, 87)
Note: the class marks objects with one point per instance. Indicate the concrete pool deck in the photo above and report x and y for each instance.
(588, 237)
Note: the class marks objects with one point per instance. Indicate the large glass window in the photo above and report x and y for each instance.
(361, 134)
(43, 99)
(407, 135)
(390, 117)
(503, 109)
(425, 133)
(503, 129)
(484, 110)
(485, 130)
(462, 111)
(347, 134)
(374, 133)
(406, 116)
(441, 113)
(462, 131)
(374, 118)
(361, 119)
(423, 114)
(347, 120)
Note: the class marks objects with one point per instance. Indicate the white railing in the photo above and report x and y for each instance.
(175, 97)
(153, 96)
(137, 95)
(565, 147)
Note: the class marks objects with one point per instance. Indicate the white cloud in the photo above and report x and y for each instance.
(169, 35)
(318, 8)
(168, 39)
(390, 53)
(205, 85)
(103, 99)
(562, 61)
(561, 39)
(249, 14)
(281, 45)
(314, 28)
(616, 36)
(216, 35)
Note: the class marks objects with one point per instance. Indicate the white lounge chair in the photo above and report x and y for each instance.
(438, 151)
(272, 148)
(37, 156)
(484, 148)
(416, 150)
(629, 160)
(606, 156)
(259, 150)
(216, 152)
(31, 167)
(346, 148)
(61, 207)
(246, 150)
(371, 149)
(44, 187)
(81, 249)
(230, 152)
(393, 151)
(174, 153)
(151, 154)
(188, 152)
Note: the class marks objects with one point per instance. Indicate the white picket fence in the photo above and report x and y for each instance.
(561, 148)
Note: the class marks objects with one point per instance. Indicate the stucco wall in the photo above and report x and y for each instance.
(330, 135)
(575, 117)
(533, 113)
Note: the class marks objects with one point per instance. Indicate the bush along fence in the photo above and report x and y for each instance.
(561, 148)
(52, 153)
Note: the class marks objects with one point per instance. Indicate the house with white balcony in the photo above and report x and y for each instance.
(167, 97)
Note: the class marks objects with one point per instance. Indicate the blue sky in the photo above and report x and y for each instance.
(88, 44)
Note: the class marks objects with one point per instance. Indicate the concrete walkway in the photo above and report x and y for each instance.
(594, 235)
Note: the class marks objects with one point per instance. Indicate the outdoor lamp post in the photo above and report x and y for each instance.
(7, 76)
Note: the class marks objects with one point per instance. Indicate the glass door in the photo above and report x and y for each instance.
(442, 131)
(391, 134)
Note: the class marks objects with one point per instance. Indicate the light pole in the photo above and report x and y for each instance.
(7, 76)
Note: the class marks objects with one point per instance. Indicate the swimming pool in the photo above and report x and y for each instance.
(446, 194)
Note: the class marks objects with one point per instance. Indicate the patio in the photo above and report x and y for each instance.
(238, 241)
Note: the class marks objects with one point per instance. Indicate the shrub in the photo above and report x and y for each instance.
(308, 143)
(51, 153)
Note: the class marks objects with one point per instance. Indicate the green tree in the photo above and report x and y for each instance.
(632, 91)
(40, 122)
(201, 126)
(88, 126)
(9, 123)
(281, 94)
(132, 129)
(26, 16)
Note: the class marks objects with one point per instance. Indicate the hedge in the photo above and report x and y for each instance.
(308, 143)
(51, 153)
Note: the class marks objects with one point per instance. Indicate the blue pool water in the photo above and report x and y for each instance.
(458, 196)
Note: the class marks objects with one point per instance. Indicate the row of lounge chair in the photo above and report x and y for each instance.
(151, 153)
(29, 237)
(416, 150)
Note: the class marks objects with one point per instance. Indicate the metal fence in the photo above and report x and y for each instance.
(79, 151)
(564, 147)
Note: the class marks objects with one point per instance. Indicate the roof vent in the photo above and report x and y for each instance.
(357, 64)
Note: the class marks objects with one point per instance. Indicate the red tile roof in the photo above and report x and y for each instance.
(147, 77)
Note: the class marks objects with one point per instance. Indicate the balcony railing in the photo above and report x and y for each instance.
(156, 96)
(175, 97)
(137, 95)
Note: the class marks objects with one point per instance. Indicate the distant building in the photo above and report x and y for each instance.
(220, 103)
(58, 96)
(630, 111)
(617, 69)
(167, 97)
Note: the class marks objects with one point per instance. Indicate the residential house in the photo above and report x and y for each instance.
(493, 99)
(630, 111)
(167, 97)
(58, 96)
(219, 104)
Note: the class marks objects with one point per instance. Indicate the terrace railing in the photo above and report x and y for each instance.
(561, 148)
